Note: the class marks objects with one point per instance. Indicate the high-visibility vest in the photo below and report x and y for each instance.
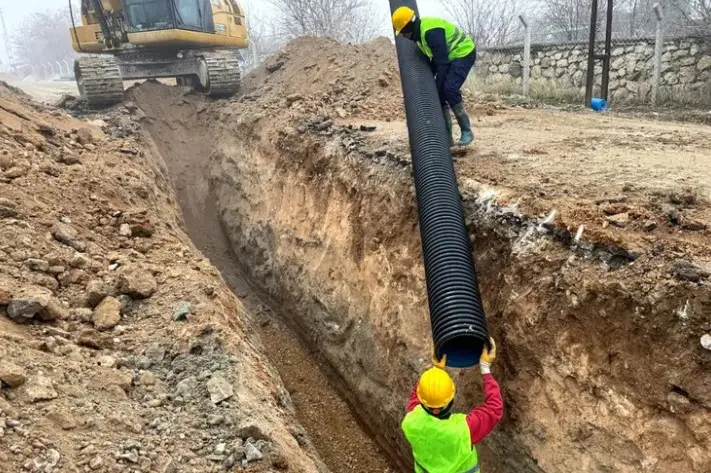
(440, 445)
(459, 44)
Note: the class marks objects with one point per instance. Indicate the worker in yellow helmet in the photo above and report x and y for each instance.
(443, 442)
(452, 55)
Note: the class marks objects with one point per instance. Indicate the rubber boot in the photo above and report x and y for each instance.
(464, 124)
(448, 124)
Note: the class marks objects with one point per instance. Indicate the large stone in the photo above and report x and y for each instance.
(704, 63)
(252, 453)
(618, 63)
(252, 430)
(40, 388)
(137, 283)
(28, 303)
(11, 374)
(618, 51)
(219, 388)
(107, 314)
(54, 311)
(66, 234)
(62, 419)
(671, 78)
(96, 291)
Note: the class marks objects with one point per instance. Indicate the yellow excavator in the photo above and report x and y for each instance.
(197, 42)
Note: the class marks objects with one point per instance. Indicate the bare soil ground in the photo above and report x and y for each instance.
(629, 182)
(590, 235)
(122, 349)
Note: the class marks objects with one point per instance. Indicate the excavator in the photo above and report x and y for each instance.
(197, 42)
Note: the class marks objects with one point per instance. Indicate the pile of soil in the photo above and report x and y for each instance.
(121, 347)
(320, 75)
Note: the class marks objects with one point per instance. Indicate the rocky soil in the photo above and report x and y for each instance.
(122, 349)
(594, 276)
(591, 237)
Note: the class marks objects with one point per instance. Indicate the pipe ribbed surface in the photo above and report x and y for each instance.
(458, 321)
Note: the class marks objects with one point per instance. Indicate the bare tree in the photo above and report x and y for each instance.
(567, 20)
(489, 22)
(693, 16)
(343, 20)
(43, 38)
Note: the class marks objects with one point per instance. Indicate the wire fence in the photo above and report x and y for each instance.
(658, 62)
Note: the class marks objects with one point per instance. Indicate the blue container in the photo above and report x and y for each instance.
(599, 105)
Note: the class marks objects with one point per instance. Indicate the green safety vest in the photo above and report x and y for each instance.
(440, 445)
(460, 44)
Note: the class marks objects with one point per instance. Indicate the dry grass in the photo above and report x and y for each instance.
(541, 90)
(556, 93)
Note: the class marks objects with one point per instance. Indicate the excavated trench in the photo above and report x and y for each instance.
(323, 245)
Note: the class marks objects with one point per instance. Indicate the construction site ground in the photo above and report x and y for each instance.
(590, 233)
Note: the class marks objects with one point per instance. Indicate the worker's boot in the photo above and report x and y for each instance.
(448, 124)
(464, 124)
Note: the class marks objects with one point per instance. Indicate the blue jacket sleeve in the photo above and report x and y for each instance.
(437, 42)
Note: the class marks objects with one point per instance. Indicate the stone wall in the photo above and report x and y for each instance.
(686, 68)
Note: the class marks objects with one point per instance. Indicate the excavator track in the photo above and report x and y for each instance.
(99, 80)
(225, 77)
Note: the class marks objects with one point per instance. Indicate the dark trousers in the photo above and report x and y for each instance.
(456, 76)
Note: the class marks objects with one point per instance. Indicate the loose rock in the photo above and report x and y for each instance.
(96, 463)
(37, 265)
(252, 453)
(251, 430)
(619, 220)
(107, 314)
(40, 388)
(182, 311)
(137, 283)
(688, 271)
(96, 291)
(66, 234)
(28, 303)
(706, 341)
(11, 374)
(219, 389)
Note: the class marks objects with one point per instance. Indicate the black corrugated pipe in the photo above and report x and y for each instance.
(458, 322)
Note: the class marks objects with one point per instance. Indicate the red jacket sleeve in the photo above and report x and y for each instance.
(414, 401)
(482, 419)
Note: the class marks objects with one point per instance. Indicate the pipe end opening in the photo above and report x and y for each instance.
(462, 351)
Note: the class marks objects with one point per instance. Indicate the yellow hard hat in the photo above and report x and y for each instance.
(401, 17)
(436, 388)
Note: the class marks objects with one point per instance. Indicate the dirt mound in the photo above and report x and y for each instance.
(319, 75)
(6, 89)
(121, 347)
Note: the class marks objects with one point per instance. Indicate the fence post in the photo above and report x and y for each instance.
(658, 46)
(526, 56)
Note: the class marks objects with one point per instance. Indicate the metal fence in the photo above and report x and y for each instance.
(655, 32)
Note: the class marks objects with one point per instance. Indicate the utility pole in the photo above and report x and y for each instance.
(5, 39)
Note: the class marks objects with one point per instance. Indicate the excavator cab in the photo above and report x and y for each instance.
(194, 41)
(147, 15)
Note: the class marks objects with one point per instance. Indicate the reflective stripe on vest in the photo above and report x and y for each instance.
(440, 445)
(459, 44)
(422, 470)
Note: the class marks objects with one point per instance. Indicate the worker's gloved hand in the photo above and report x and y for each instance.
(487, 357)
(441, 364)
